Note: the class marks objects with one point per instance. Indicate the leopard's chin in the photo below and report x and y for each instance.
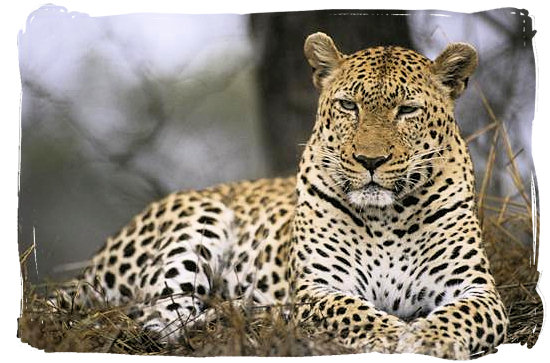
(371, 196)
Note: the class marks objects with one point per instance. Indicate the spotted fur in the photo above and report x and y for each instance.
(375, 242)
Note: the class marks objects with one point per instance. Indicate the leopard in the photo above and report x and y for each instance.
(375, 242)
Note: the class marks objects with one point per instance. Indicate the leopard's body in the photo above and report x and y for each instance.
(376, 241)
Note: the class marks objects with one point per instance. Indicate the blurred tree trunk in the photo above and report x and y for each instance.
(287, 96)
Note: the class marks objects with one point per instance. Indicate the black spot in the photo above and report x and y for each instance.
(413, 228)
(142, 258)
(112, 260)
(478, 318)
(164, 227)
(479, 332)
(176, 251)
(187, 288)
(160, 212)
(320, 281)
(110, 280)
(262, 284)
(431, 198)
(180, 226)
(279, 294)
(321, 252)
(341, 310)
(344, 333)
(488, 320)
(415, 177)
(185, 213)
(129, 249)
(438, 268)
(184, 237)
(115, 246)
(123, 268)
(437, 254)
(147, 241)
(410, 200)
(343, 260)
(143, 281)
(208, 233)
(443, 188)
(167, 291)
(320, 267)
(203, 252)
(207, 220)
(155, 277)
(439, 298)
(460, 270)
(399, 232)
(190, 266)
(173, 272)
(176, 206)
(456, 252)
(124, 291)
(173, 306)
(479, 280)
(396, 304)
(453, 282)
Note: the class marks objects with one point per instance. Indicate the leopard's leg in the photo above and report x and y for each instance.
(350, 321)
(176, 282)
(468, 317)
(472, 324)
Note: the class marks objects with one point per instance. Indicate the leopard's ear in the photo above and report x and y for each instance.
(323, 56)
(453, 67)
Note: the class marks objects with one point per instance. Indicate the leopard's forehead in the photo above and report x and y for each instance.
(379, 67)
(377, 59)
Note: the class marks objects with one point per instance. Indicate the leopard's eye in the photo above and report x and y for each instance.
(405, 110)
(348, 105)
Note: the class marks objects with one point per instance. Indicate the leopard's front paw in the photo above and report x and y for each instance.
(385, 340)
(432, 342)
(382, 344)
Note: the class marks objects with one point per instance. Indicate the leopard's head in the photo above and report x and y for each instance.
(385, 116)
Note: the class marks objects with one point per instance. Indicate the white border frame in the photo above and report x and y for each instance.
(15, 15)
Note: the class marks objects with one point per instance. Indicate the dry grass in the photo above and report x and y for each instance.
(510, 230)
(258, 331)
(507, 227)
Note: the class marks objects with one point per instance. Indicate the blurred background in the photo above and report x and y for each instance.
(118, 111)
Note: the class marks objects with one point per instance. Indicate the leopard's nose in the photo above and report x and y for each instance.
(371, 163)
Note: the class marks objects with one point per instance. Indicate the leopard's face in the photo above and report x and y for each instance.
(384, 120)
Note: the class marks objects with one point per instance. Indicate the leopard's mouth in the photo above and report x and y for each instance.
(371, 194)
